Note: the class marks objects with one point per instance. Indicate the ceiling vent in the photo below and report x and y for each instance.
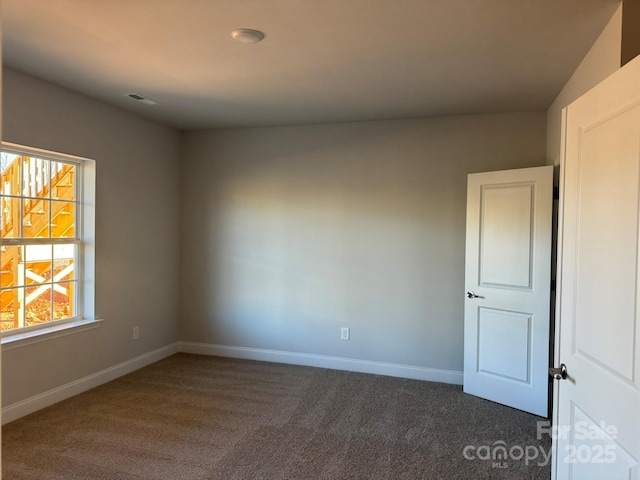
(140, 98)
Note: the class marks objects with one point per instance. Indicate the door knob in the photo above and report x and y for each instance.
(559, 373)
(470, 294)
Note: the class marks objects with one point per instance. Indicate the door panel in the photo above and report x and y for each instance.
(598, 327)
(597, 458)
(607, 210)
(508, 260)
(505, 235)
(509, 332)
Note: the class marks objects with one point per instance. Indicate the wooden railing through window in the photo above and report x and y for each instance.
(40, 179)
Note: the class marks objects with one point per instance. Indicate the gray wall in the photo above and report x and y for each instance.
(290, 233)
(137, 218)
(602, 60)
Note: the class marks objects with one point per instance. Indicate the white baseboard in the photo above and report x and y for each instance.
(323, 361)
(45, 399)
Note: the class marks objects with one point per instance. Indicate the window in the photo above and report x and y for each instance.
(46, 226)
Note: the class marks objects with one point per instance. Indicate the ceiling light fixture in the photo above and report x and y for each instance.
(247, 35)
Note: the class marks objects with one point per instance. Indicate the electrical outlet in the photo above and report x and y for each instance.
(136, 333)
(344, 333)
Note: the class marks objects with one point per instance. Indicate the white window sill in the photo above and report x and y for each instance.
(15, 340)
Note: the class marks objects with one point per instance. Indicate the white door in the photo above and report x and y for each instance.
(508, 276)
(597, 408)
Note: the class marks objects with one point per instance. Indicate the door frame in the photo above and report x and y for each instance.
(555, 320)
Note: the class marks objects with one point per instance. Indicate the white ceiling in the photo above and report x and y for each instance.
(321, 60)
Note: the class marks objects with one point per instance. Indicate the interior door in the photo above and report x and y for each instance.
(507, 276)
(597, 407)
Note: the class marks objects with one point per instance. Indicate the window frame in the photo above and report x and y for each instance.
(84, 239)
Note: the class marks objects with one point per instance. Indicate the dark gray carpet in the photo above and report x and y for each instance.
(197, 417)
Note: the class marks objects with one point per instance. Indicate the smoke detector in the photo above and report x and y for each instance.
(247, 35)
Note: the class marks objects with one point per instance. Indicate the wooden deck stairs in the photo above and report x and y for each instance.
(37, 222)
